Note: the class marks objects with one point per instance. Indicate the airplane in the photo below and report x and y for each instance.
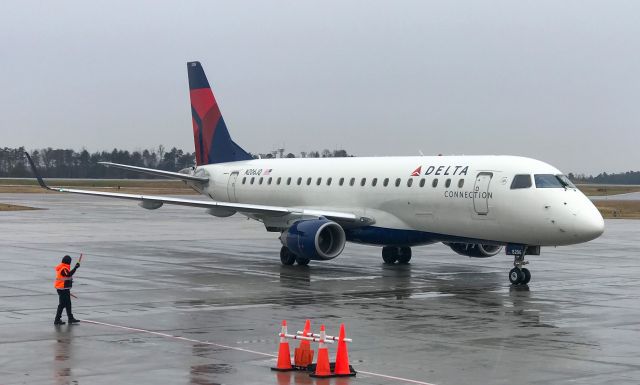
(476, 205)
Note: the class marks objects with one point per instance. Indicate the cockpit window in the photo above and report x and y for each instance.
(548, 181)
(565, 181)
(521, 181)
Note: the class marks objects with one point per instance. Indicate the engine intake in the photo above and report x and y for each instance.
(317, 239)
(476, 250)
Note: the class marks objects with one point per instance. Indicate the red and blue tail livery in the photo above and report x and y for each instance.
(212, 140)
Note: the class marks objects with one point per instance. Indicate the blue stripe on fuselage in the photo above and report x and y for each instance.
(380, 236)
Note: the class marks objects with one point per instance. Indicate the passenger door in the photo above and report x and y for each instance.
(481, 193)
(231, 186)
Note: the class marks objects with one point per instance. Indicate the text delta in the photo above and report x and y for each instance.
(444, 170)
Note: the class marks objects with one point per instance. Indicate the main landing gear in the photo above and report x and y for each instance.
(391, 254)
(519, 275)
(289, 258)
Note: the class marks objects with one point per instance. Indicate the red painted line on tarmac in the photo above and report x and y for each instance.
(237, 348)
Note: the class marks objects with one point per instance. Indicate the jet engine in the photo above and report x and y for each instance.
(221, 212)
(476, 250)
(150, 205)
(317, 239)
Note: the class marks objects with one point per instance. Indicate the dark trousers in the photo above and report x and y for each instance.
(65, 303)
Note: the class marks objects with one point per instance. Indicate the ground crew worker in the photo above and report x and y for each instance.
(63, 285)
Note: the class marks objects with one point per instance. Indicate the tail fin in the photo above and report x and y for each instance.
(212, 139)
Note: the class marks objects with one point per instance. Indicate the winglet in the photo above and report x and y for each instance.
(35, 172)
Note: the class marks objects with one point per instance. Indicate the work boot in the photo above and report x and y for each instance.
(73, 321)
(59, 322)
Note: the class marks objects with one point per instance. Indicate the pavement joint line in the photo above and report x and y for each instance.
(166, 335)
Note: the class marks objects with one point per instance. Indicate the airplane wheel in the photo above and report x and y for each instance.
(516, 276)
(286, 256)
(527, 276)
(405, 255)
(302, 261)
(389, 255)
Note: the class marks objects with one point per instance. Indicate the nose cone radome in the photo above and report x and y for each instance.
(589, 224)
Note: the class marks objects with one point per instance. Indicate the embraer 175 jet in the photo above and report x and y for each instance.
(473, 204)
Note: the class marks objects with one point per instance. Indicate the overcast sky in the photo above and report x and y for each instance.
(555, 80)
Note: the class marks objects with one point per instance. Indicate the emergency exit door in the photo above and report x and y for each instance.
(231, 186)
(481, 193)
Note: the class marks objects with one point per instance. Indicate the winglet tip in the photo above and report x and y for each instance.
(35, 172)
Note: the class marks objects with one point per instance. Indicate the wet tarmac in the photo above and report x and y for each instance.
(185, 298)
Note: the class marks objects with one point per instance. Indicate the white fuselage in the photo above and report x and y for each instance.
(472, 200)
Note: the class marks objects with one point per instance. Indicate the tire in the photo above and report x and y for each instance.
(302, 261)
(516, 276)
(287, 257)
(527, 276)
(405, 255)
(389, 255)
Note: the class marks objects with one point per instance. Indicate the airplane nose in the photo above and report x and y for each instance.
(589, 224)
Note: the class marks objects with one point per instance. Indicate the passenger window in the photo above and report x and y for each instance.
(363, 182)
(447, 183)
(319, 181)
(341, 181)
(398, 182)
(279, 180)
(352, 181)
(244, 179)
(521, 181)
(288, 181)
(435, 182)
(270, 179)
(260, 180)
(460, 183)
(385, 183)
(329, 182)
(374, 182)
(299, 181)
(308, 181)
(422, 182)
(409, 182)
(253, 178)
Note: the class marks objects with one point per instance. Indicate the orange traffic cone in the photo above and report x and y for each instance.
(323, 368)
(342, 367)
(303, 355)
(284, 356)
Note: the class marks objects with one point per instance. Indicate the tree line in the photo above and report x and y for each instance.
(67, 163)
(629, 177)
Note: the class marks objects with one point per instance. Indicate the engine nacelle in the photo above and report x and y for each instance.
(317, 239)
(221, 212)
(150, 205)
(476, 250)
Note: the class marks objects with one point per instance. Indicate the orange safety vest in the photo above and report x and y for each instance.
(60, 279)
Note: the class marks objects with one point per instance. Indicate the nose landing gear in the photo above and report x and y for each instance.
(519, 275)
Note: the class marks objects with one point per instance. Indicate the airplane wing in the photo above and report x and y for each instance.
(259, 210)
(152, 171)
